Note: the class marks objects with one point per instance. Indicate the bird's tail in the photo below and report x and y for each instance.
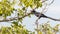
(52, 18)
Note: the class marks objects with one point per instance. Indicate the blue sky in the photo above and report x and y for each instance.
(53, 11)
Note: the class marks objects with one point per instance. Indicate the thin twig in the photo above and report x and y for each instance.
(51, 2)
(40, 15)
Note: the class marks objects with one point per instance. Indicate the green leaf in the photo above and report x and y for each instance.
(23, 8)
(20, 19)
(15, 23)
(40, 4)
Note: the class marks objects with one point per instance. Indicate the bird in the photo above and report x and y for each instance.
(40, 15)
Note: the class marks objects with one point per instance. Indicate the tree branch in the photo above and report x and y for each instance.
(15, 18)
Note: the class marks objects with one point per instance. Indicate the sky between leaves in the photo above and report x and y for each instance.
(53, 11)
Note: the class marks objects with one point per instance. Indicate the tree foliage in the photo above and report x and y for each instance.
(7, 8)
(19, 29)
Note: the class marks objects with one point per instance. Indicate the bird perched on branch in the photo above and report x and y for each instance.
(40, 15)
